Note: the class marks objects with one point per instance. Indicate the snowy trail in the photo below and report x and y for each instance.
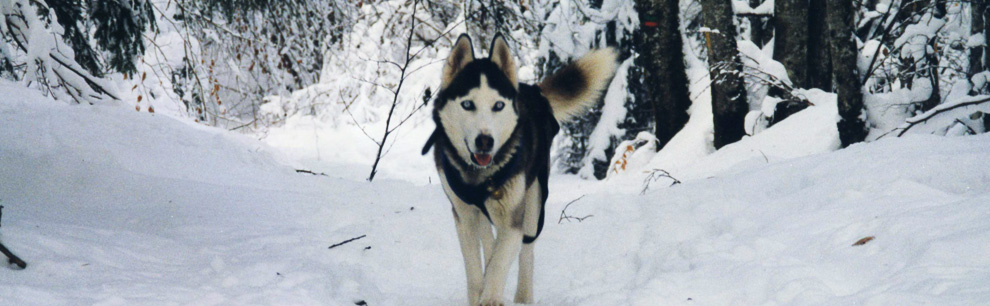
(113, 207)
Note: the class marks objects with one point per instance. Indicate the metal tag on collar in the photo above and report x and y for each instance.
(495, 192)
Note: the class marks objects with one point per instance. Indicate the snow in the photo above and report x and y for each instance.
(976, 40)
(694, 141)
(741, 7)
(762, 61)
(914, 40)
(115, 207)
(633, 154)
(613, 113)
(948, 115)
(48, 59)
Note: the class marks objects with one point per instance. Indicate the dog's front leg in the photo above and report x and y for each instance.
(507, 246)
(507, 215)
(487, 238)
(467, 219)
(524, 289)
(531, 219)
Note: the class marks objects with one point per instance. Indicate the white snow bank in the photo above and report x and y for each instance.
(115, 207)
(742, 7)
(810, 131)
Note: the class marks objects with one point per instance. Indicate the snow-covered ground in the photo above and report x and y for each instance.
(114, 207)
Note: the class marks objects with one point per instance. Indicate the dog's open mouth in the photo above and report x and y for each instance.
(482, 159)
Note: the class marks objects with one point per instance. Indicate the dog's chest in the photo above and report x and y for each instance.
(494, 195)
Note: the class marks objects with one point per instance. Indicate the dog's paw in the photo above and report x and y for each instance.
(491, 303)
(523, 299)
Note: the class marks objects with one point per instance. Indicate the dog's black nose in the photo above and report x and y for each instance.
(484, 143)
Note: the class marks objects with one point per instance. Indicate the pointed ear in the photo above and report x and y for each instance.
(460, 55)
(502, 57)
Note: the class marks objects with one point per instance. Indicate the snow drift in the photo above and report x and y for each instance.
(114, 207)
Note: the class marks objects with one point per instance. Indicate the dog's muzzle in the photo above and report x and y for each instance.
(484, 144)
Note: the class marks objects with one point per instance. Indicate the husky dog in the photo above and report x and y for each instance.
(492, 150)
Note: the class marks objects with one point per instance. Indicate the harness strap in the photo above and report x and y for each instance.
(477, 194)
(430, 141)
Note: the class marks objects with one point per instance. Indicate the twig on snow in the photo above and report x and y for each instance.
(564, 216)
(11, 258)
(346, 241)
(656, 174)
(310, 172)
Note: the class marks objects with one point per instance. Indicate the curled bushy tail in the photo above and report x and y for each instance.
(576, 87)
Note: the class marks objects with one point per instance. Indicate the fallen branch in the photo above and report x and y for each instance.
(346, 241)
(656, 174)
(310, 172)
(564, 216)
(11, 258)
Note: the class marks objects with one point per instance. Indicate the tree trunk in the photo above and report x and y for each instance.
(761, 30)
(932, 71)
(819, 59)
(662, 59)
(978, 9)
(791, 44)
(940, 8)
(729, 105)
(979, 57)
(852, 128)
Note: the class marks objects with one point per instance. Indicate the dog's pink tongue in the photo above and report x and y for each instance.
(483, 159)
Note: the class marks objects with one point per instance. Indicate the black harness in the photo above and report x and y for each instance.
(476, 195)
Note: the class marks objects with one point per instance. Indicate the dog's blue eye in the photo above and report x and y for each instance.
(467, 104)
(498, 106)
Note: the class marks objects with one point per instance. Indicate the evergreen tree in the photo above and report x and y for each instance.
(119, 30)
(69, 14)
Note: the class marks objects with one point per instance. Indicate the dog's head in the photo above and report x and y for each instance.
(477, 103)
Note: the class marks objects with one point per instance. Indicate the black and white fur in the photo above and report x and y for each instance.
(492, 150)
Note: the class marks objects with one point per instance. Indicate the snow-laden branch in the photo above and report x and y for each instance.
(957, 109)
(48, 59)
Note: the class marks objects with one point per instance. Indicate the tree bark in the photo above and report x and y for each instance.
(979, 57)
(940, 8)
(761, 30)
(978, 9)
(662, 59)
(791, 44)
(932, 60)
(819, 59)
(729, 104)
(852, 128)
